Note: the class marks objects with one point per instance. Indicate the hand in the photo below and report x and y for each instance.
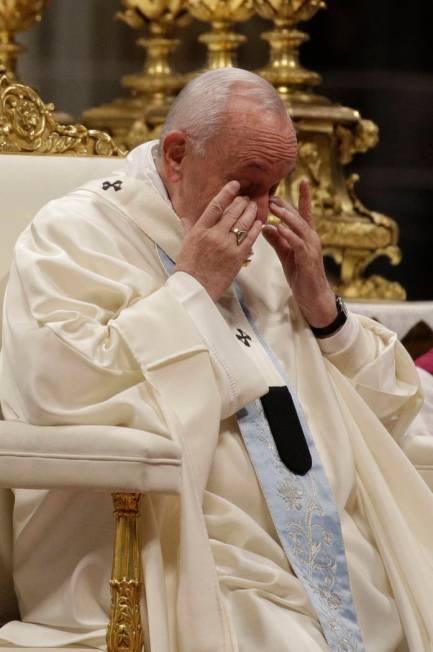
(298, 247)
(209, 251)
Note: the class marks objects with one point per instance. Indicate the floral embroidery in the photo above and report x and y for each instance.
(311, 544)
(291, 494)
(309, 538)
(346, 641)
(263, 436)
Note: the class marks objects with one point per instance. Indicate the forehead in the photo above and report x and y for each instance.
(258, 140)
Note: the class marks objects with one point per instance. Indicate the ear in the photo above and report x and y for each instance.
(173, 154)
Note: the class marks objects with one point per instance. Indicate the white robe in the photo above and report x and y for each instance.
(95, 333)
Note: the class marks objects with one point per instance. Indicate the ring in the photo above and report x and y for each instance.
(240, 235)
(248, 259)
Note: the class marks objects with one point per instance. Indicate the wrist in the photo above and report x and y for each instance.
(322, 311)
(203, 280)
(340, 318)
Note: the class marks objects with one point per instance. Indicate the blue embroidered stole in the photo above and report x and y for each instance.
(304, 513)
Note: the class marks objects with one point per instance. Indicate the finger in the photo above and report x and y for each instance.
(216, 207)
(304, 203)
(253, 234)
(279, 201)
(296, 243)
(232, 213)
(243, 221)
(278, 243)
(291, 218)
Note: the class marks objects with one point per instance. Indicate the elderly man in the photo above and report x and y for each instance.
(301, 525)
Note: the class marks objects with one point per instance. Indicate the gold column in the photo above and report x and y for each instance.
(125, 632)
(221, 42)
(329, 136)
(16, 16)
(138, 118)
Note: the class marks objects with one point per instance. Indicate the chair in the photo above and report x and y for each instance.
(51, 160)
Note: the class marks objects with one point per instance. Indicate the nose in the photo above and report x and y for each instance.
(262, 207)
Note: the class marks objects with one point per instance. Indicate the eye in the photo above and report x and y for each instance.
(248, 190)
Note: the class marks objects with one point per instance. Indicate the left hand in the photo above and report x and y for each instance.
(298, 247)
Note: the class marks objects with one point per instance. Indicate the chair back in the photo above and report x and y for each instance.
(39, 161)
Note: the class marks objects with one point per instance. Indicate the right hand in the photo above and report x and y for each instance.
(209, 251)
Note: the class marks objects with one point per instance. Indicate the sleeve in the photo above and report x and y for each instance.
(380, 369)
(84, 327)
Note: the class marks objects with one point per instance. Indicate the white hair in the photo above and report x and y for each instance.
(199, 109)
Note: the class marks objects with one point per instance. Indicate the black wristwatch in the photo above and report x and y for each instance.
(341, 318)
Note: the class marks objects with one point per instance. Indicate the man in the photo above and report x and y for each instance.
(129, 304)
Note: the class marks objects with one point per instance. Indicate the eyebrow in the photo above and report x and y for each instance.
(256, 165)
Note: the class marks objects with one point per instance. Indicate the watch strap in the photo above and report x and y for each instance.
(339, 321)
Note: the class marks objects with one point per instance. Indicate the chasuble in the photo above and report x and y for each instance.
(97, 332)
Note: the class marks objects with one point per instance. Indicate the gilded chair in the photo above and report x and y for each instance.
(50, 160)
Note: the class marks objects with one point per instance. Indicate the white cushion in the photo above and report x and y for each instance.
(103, 458)
(28, 182)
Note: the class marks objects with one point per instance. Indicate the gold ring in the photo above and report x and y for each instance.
(248, 259)
(240, 235)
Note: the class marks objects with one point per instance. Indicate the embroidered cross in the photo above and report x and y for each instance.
(117, 185)
(243, 337)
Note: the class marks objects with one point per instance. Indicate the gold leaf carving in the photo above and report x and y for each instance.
(289, 11)
(162, 14)
(27, 125)
(125, 633)
(363, 137)
(221, 10)
(126, 502)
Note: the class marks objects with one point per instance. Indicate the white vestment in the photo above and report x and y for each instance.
(95, 333)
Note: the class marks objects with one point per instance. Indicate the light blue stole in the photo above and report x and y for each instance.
(304, 514)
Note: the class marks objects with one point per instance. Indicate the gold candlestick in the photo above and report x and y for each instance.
(284, 70)
(138, 118)
(329, 135)
(158, 83)
(221, 42)
(16, 16)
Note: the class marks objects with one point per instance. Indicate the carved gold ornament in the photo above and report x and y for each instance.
(221, 42)
(16, 16)
(288, 12)
(160, 12)
(27, 125)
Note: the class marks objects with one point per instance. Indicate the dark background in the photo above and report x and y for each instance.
(374, 55)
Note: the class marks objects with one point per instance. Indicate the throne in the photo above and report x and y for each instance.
(41, 160)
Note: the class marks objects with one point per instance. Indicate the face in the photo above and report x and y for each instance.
(255, 148)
